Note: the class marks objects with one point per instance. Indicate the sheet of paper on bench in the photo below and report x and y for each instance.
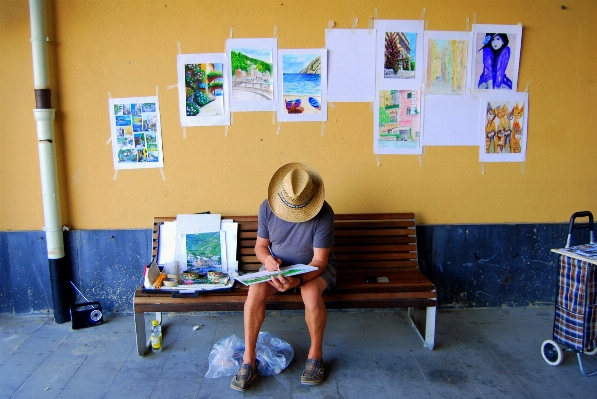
(167, 243)
(286, 271)
(231, 229)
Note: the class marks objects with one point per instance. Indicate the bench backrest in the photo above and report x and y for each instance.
(375, 242)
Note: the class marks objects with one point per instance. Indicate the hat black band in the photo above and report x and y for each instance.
(288, 204)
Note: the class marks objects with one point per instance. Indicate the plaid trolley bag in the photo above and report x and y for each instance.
(575, 321)
(575, 324)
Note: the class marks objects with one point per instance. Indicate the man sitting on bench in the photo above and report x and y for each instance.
(297, 225)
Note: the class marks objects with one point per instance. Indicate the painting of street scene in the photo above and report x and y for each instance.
(446, 66)
(204, 89)
(400, 54)
(301, 83)
(399, 119)
(252, 74)
(204, 252)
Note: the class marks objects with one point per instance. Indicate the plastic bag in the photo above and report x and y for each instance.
(273, 355)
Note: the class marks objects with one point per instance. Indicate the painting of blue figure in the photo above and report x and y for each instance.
(400, 55)
(301, 81)
(494, 61)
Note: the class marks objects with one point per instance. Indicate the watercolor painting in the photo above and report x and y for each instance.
(136, 133)
(252, 74)
(203, 252)
(505, 127)
(398, 121)
(400, 55)
(447, 66)
(496, 59)
(204, 89)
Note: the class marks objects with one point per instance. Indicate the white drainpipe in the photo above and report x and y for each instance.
(44, 117)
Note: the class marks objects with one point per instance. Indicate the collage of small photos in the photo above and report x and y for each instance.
(135, 125)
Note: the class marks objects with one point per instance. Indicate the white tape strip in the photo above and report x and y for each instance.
(278, 129)
(354, 25)
(115, 174)
(474, 18)
(422, 16)
(467, 23)
(109, 95)
(231, 118)
(231, 32)
(184, 132)
(322, 127)
(526, 90)
(226, 130)
(482, 168)
(472, 93)
(331, 105)
(275, 31)
(178, 45)
(370, 26)
(163, 175)
(420, 161)
(109, 140)
(172, 86)
(522, 168)
(273, 117)
(377, 159)
(375, 13)
(330, 24)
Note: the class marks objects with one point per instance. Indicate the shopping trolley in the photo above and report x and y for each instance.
(575, 321)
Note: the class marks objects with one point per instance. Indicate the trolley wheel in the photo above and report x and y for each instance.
(591, 353)
(552, 353)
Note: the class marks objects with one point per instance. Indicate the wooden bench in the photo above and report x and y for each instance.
(380, 245)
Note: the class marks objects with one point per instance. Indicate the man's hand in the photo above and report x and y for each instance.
(283, 283)
(272, 264)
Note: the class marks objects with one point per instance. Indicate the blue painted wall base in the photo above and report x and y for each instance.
(471, 265)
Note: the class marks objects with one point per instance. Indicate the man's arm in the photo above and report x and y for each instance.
(263, 255)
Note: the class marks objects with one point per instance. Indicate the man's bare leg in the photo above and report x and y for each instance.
(315, 314)
(254, 315)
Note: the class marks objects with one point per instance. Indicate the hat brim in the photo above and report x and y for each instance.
(296, 215)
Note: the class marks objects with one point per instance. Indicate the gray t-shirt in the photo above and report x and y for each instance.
(294, 242)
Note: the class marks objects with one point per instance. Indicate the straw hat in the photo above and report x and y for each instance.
(296, 192)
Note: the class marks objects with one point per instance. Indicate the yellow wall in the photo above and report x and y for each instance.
(129, 47)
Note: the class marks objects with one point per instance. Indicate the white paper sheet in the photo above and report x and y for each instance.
(503, 135)
(217, 110)
(262, 276)
(136, 132)
(489, 60)
(253, 89)
(351, 64)
(231, 230)
(166, 243)
(409, 47)
(451, 120)
(302, 96)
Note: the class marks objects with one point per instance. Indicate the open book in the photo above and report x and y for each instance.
(286, 271)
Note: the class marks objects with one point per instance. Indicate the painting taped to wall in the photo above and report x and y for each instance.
(136, 132)
(303, 81)
(397, 121)
(400, 54)
(202, 90)
(448, 62)
(253, 71)
(497, 57)
(504, 134)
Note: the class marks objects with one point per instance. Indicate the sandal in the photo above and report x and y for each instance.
(313, 373)
(244, 377)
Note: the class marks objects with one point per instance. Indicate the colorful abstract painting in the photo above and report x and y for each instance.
(398, 122)
(447, 66)
(504, 133)
(303, 83)
(136, 132)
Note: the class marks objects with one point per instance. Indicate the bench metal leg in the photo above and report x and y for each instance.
(142, 343)
(429, 340)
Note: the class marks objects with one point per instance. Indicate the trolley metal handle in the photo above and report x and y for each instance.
(578, 226)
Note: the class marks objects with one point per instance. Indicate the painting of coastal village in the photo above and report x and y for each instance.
(204, 252)
(301, 83)
(399, 122)
(252, 74)
(135, 133)
(204, 89)
(400, 55)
